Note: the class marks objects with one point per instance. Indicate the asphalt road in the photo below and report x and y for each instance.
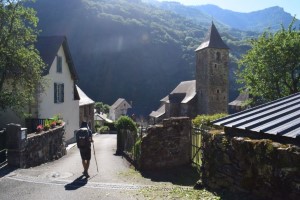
(62, 179)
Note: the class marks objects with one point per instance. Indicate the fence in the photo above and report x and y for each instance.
(128, 145)
(3, 149)
(196, 154)
(32, 123)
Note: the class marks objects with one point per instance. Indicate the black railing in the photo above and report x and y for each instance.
(31, 124)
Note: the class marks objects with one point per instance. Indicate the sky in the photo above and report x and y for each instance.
(290, 6)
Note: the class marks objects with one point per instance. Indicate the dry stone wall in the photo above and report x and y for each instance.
(35, 148)
(261, 167)
(167, 145)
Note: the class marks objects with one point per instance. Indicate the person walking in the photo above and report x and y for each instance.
(84, 138)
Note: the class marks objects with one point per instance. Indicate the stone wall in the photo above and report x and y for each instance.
(35, 148)
(261, 167)
(166, 145)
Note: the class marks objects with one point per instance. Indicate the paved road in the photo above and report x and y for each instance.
(62, 179)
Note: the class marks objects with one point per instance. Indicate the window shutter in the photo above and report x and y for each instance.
(62, 93)
(55, 92)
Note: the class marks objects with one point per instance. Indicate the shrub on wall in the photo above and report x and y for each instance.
(202, 121)
(103, 129)
(125, 122)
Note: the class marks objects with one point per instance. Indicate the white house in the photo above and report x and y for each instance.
(60, 96)
(119, 108)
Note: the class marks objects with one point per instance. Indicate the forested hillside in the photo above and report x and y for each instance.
(131, 49)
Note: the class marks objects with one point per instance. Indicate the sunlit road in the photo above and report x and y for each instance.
(61, 179)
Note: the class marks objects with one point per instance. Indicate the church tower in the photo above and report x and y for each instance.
(212, 74)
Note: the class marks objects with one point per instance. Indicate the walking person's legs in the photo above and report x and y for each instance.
(86, 157)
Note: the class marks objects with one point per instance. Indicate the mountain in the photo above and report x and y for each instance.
(133, 50)
(257, 21)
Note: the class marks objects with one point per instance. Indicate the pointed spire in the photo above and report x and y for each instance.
(213, 40)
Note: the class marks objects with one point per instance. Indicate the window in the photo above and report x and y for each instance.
(59, 64)
(218, 56)
(58, 92)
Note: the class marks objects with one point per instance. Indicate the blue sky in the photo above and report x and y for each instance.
(290, 6)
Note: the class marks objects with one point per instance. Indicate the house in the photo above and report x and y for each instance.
(118, 109)
(86, 109)
(180, 102)
(208, 93)
(60, 95)
(101, 119)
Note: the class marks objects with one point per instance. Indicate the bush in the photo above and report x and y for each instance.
(125, 122)
(202, 121)
(103, 129)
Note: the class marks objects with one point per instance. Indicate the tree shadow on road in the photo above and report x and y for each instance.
(77, 183)
(183, 175)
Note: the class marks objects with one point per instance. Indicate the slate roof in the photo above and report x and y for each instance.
(102, 117)
(159, 112)
(212, 40)
(278, 118)
(48, 47)
(84, 99)
(119, 102)
(240, 100)
(187, 89)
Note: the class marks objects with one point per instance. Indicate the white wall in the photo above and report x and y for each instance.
(69, 109)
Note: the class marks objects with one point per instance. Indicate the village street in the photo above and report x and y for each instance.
(62, 179)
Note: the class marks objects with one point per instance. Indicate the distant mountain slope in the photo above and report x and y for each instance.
(254, 21)
(129, 49)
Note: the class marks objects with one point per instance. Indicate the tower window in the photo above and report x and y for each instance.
(218, 55)
(218, 91)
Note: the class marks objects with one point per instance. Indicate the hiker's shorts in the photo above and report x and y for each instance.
(85, 153)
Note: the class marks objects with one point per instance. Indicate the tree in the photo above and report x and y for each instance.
(20, 63)
(271, 68)
(101, 107)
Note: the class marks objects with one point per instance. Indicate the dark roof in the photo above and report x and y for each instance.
(279, 118)
(48, 47)
(213, 40)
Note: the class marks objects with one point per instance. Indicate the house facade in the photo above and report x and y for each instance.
(60, 96)
(208, 93)
(86, 109)
(118, 109)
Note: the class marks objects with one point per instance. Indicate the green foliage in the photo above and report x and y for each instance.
(103, 129)
(20, 63)
(126, 123)
(137, 149)
(202, 121)
(271, 69)
(101, 107)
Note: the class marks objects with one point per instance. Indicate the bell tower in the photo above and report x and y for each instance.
(212, 74)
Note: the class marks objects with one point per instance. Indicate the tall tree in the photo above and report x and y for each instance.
(20, 63)
(271, 68)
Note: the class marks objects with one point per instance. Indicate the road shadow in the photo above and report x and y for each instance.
(77, 183)
(183, 175)
(5, 169)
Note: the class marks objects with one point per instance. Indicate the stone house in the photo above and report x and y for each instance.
(60, 95)
(208, 93)
(118, 109)
(86, 109)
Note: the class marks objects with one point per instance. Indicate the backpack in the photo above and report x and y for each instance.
(82, 138)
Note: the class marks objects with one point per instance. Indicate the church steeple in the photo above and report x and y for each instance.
(212, 74)
(213, 40)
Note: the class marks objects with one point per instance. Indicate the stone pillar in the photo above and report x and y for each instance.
(16, 144)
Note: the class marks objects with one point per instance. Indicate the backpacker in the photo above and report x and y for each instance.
(82, 138)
